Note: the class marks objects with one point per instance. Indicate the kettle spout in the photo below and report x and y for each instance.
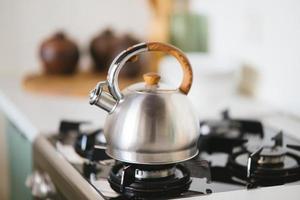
(102, 99)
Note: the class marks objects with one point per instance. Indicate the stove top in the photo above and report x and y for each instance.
(235, 154)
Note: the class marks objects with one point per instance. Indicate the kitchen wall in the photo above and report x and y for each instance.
(264, 34)
(24, 24)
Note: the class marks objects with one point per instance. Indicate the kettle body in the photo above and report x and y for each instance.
(148, 123)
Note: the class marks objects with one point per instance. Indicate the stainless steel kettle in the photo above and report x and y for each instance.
(150, 122)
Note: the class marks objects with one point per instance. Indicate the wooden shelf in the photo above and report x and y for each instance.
(79, 84)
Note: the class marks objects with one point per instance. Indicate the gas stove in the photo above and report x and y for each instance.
(234, 154)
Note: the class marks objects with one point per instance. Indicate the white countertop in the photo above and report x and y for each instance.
(36, 114)
(266, 193)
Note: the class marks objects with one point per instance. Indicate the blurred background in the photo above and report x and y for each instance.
(248, 48)
(261, 34)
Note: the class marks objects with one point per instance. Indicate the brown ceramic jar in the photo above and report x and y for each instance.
(101, 49)
(106, 46)
(59, 55)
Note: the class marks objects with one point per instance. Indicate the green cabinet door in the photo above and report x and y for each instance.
(20, 162)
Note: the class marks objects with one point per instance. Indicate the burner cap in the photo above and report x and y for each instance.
(271, 156)
(151, 174)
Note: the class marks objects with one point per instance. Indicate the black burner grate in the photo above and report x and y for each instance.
(170, 186)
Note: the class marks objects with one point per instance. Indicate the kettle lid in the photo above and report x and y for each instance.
(151, 84)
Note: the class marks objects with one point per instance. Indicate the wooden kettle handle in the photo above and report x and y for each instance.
(182, 59)
(132, 52)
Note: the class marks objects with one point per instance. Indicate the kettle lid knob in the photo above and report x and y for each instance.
(151, 78)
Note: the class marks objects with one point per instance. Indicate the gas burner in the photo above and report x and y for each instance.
(149, 181)
(225, 134)
(265, 175)
(266, 165)
(231, 127)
